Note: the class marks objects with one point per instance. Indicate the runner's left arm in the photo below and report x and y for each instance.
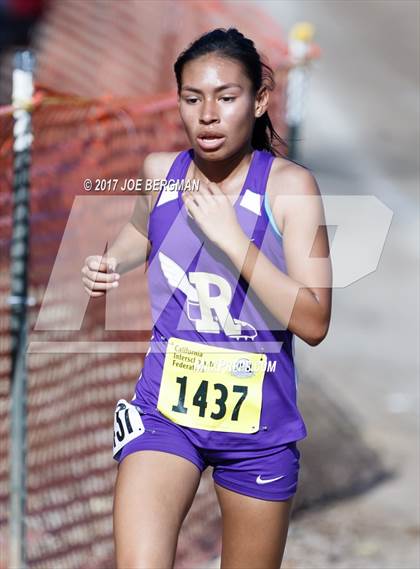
(300, 299)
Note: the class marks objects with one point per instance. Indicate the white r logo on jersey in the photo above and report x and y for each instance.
(200, 304)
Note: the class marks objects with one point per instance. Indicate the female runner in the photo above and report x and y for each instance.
(235, 270)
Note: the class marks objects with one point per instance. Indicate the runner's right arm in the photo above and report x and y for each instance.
(130, 248)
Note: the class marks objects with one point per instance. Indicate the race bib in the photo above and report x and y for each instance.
(128, 424)
(211, 388)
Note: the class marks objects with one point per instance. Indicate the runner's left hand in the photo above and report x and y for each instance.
(213, 212)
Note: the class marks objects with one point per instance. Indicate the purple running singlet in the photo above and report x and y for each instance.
(219, 384)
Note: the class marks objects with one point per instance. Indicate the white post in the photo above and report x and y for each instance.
(300, 38)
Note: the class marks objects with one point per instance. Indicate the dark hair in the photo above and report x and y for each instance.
(232, 44)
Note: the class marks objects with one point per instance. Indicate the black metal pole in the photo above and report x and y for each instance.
(18, 300)
(292, 141)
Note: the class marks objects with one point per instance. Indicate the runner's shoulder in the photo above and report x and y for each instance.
(289, 177)
(156, 165)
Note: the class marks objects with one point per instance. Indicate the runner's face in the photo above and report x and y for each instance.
(228, 112)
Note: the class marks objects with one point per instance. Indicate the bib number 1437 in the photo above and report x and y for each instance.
(201, 395)
(212, 388)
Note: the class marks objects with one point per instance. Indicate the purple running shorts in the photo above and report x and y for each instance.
(267, 474)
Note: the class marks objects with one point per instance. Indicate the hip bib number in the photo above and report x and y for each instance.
(211, 388)
(128, 424)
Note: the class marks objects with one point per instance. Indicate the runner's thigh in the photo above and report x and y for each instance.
(153, 492)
